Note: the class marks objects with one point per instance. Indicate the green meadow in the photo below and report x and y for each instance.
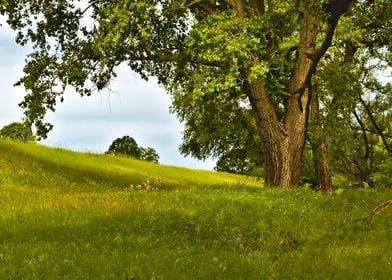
(68, 215)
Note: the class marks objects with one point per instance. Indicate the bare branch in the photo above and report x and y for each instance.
(381, 207)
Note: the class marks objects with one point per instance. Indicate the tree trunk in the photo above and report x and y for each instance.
(317, 138)
(321, 167)
(283, 140)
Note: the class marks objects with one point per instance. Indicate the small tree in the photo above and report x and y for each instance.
(17, 131)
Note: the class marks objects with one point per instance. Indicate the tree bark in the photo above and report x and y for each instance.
(317, 139)
(322, 167)
(282, 148)
(283, 140)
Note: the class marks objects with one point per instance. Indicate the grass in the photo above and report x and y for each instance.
(67, 215)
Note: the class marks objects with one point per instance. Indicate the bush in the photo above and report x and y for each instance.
(17, 131)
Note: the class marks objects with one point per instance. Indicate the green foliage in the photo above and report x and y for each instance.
(383, 175)
(17, 131)
(189, 50)
(83, 216)
(345, 116)
(127, 146)
(209, 96)
(241, 161)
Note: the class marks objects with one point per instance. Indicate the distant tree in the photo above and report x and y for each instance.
(149, 154)
(127, 146)
(17, 131)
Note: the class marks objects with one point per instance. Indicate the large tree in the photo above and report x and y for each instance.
(221, 54)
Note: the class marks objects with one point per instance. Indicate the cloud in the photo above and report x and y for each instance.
(12, 55)
(12, 59)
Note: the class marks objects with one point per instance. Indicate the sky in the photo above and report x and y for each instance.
(131, 107)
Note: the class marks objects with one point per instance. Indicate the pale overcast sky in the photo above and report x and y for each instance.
(134, 107)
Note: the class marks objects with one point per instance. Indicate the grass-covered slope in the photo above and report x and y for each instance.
(66, 215)
(38, 166)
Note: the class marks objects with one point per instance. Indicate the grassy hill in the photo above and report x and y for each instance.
(67, 215)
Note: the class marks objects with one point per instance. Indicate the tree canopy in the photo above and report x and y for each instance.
(220, 60)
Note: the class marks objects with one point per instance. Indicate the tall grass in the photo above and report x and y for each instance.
(66, 215)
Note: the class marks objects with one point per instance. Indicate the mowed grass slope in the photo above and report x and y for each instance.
(67, 215)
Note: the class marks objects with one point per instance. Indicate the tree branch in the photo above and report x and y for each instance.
(381, 207)
(376, 126)
(336, 8)
(364, 134)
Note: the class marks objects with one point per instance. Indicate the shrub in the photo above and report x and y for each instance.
(17, 131)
